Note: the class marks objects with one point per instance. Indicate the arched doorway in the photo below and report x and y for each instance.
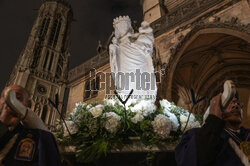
(205, 61)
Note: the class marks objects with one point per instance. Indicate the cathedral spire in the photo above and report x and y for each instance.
(43, 65)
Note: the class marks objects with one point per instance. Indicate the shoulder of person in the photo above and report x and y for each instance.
(242, 128)
(245, 131)
(39, 133)
(190, 133)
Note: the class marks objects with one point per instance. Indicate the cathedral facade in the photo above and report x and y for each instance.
(198, 45)
(42, 66)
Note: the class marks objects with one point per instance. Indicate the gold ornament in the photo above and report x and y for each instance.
(245, 147)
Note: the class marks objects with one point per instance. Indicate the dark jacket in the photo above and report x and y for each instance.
(208, 145)
(33, 147)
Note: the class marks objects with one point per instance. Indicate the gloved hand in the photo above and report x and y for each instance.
(220, 102)
(8, 117)
(28, 117)
(14, 104)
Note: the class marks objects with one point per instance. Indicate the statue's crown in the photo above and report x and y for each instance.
(121, 19)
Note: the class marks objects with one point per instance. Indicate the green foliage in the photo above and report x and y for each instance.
(91, 150)
(199, 118)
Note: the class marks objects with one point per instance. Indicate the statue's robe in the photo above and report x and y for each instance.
(32, 147)
(209, 145)
(133, 53)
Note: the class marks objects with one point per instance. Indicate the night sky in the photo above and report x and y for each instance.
(93, 22)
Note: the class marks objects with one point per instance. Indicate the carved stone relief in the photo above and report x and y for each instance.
(37, 109)
(176, 17)
(41, 89)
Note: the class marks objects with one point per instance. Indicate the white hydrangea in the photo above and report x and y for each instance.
(192, 123)
(184, 117)
(145, 107)
(128, 104)
(73, 128)
(162, 126)
(173, 118)
(112, 121)
(97, 110)
(137, 118)
(88, 106)
(165, 104)
(110, 102)
(183, 120)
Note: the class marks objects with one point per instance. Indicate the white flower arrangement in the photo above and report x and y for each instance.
(76, 113)
(78, 106)
(112, 121)
(162, 126)
(137, 118)
(144, 107)
(110, 102)
(97, 110)
(73, 128)
(101, 126)
(88, 106)
(192, 123)
(173, 119)
(166, 104)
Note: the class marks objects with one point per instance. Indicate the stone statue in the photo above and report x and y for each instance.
(131, 59)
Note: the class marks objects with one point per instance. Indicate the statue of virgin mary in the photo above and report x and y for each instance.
(131, 59)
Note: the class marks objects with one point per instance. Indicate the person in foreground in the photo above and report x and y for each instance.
(219, 142)
(20, 145)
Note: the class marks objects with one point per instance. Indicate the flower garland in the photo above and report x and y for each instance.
(96, 129)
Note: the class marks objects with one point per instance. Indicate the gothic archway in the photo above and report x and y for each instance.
(204, 61)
